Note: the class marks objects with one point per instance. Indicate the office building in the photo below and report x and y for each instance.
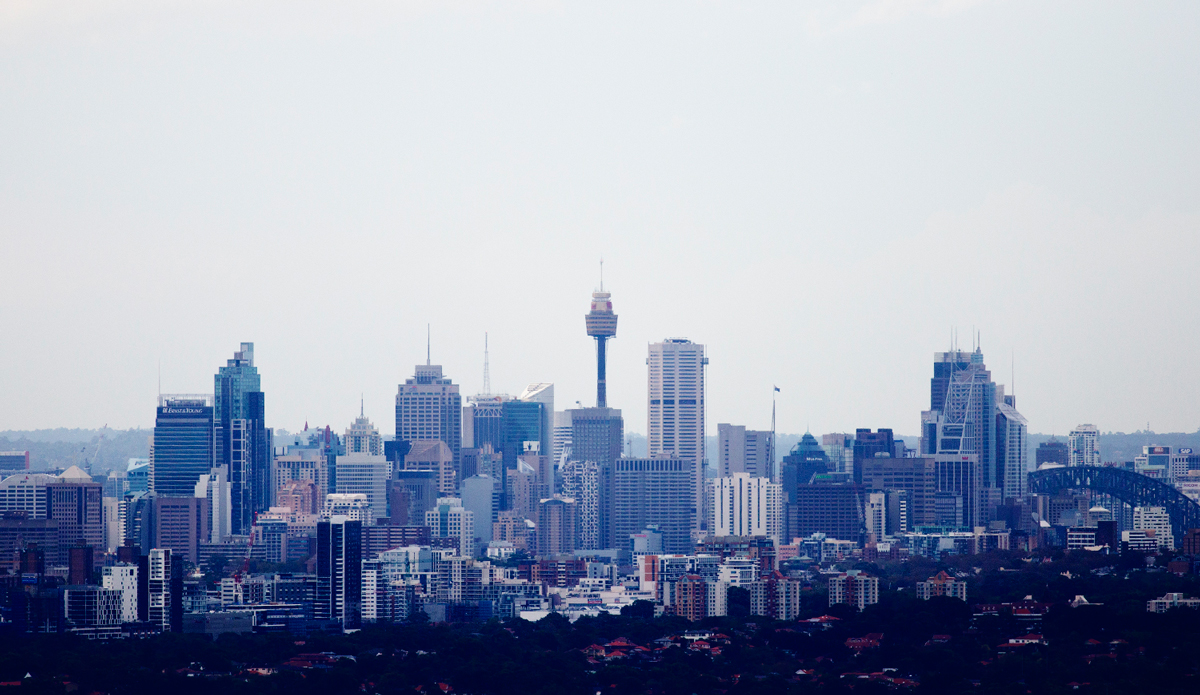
(242, 440)
(854, 588)
(183, 445)
(412, 493)
(745, 451)
(137, 475)
(676, 406)
(832, 506)
(451, 521)
(429, 408)
(77, 504)
(339, 572)
(557, 521)
(915, 476)
(434, 455)
(960, 475)
(300, 496)
(351, 506)
(480, 496)
(581, 482)
(1157, 523)
(839, 447)
(1084, 446)
(745, 506)
(1012, 447)
(870, 445)
(655, 492)
(365, 474)
(215, 489)
(181, 525)
(362, 438)
(1054, 452)
(542, 393)
(13, 461)
(305, 464)
(483, 422)
(597, 435)
(560, 438)
(25, 492)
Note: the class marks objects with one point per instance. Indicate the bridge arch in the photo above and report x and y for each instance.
(1134, 489)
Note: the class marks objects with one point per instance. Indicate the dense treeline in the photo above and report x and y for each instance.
(938, 645)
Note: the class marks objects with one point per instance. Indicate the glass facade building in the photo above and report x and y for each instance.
(183, 444)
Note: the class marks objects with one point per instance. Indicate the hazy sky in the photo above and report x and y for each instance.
(819, 192)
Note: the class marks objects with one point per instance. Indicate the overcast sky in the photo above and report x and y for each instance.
(818, 192)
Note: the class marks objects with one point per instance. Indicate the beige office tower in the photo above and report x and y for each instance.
(676, 409)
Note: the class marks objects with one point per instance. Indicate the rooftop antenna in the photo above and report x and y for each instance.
(361, 405)
(427, 340)
(487, 374)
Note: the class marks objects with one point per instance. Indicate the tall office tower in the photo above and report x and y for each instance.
(523, 424)
(875, 516)
(1084, 446)
(305, 464)
(479, 496)
(601, 324)
(412, 494)
(745, 451)
(560, 440)
(557, 522)
(449, 519)
(362, 438)
(364, 474)
(429, 407)
(542, 393)
(916, 477)
(806, 459)
(745, 506)
(13, 461)
(183, 444)
(242, 441)
(962, 411)
(869, 445)
(1052, 451)
(123, 577)
(77, 504)
(339, 572)
(163, 590)
(433, 455)
(181, 525)
(581, 482)
(676, 394)
(597, 435)
(829, 506)
(960, 475)
(1012, 447)
(483, 422)
(839, 447)
(654, 491)
(26, 492)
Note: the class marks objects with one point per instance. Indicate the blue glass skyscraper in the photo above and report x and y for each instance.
(242, 439)
(183, 444)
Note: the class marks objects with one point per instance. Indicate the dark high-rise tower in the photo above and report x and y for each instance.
(183, 444)
(242, 439)
(601, 325)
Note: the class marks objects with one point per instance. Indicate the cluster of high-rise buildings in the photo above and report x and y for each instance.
(500, 505)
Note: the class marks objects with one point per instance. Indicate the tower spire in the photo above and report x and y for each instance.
(601, 324)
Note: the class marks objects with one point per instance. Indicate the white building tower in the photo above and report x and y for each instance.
(1083, 446)
(677, 407)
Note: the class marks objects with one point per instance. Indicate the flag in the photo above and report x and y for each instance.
(776, 389)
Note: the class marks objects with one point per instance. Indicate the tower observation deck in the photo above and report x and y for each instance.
(601, 325)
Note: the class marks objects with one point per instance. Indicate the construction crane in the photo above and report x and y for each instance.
(245, 566)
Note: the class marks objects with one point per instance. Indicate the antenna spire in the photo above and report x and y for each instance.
(487, 374)
(427, 341)
(362, 405)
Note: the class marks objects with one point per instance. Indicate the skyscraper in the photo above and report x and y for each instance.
(76, 503)
(597, 435)
(676, 409)
(242, 441)
(745, 506)
(363, 438)
(183, 444)
(1084, 446)
(654, 491)
(339, 572)
(744, 451)
(1053, 451)
(542, 393)
(429, 407)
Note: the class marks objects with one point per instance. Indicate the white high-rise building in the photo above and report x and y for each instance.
(875, 513)
(560, 440)
(449, 519)
(123, 577)
(743, 505)
(363, 438)
(1083, 446)
(1157, 520)
(677, 407)
(744, 451)
(365, 474)
(158, 593)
